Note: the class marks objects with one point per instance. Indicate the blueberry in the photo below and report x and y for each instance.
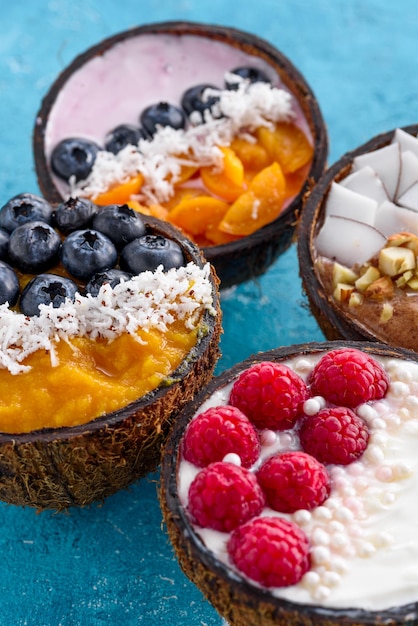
(74, 156)
(86, 252)
(34, 247)
(109, 277)
(4, 244)
(250, 74)
(46, 289)
(195, 99)
(73, 214)
(120, 223)
(150, 251)
(122, 136)
(9, 284)
(23, 208)
(162, 114)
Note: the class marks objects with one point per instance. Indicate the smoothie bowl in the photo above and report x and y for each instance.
(110, 324)
(289, 487)
(357, 243)
(207, 127)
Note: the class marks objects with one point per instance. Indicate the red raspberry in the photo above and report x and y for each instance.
(335, 435)
(271, 551)
(217, 432)
(293, 481)
(348, 377)
(270, 394)
(223, 496)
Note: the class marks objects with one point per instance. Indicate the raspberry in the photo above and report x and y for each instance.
(220, 431)
(334, 435)
(293, 481)
(270, 394)
(270, 550)
(223, 496)
(348, 377)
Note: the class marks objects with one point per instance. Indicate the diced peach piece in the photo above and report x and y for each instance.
(295, 180)
(217, 237)
(227, 184)
(120, 194)
(181, 193)
(287, 144)
(137, 206)
(258, 206)
(253, 156)
(157, 210)
(195, 215)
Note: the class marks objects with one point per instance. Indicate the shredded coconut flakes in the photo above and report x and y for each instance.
(159, 160)
(151, 300)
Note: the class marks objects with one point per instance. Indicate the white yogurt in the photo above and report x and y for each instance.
(364, 538)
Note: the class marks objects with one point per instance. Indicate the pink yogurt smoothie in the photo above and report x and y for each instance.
(113, 88)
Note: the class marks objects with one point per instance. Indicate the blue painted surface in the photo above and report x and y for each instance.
(113, 564)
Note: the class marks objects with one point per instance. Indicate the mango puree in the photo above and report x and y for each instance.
(92, 378)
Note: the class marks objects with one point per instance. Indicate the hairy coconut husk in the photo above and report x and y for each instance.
(333, 321)
(250, 256)
(239, 602)
(75, 466)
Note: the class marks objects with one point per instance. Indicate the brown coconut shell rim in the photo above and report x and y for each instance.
(249, 43)
(175, 514)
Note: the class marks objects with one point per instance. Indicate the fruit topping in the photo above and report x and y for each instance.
(46, 289)
(120, 223)
(86, 252)
(34, 247)
(223, 495)
(219, 431)
(160, 115)
(74, 157)
(150, 251)
(199, 99)
(109, 277)
(334, 435)
(23, 208)
(270, 394)
(249, 74)
(348, 377)
(74, 214)
(293, 481)
(272, 551)
(122, 136)
(9, 284)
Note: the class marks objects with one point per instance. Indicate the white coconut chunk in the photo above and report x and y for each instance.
(392, 219)
(409, 199)
(366, 182)
(409, 172)
(348, 241)
(344, 202)
(386, 162)
(406, 141)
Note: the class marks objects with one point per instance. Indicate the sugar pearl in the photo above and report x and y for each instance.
(268, 437)
(320, 555)
(313, 405)
(233, 458)
(302, 517)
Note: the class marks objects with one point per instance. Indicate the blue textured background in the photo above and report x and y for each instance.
(113, 564)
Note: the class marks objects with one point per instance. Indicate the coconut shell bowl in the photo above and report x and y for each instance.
(357, 243)
(289, 487)
(94, 370)
(208, 127)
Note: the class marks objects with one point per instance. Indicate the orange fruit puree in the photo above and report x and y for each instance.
(92, 378)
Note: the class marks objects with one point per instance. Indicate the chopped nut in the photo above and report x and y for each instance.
(413, 283)
(343, 291)
(366, 279)
(408, 240)
(380, 289)
(403, 279)
(387, 312)
(394, 261)
(356, 299)
(343, 274)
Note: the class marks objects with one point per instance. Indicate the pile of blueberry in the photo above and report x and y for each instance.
(89, 245)
(75, 156)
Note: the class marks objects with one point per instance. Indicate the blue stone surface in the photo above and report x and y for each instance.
(113, 564)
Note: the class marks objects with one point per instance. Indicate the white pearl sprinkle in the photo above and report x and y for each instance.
(320, 555)
(374, 454)
(268, 437)
(302, 517)
(312, 406)
(233, 458)
(321, 513)
(331, 579)
(320, 537)
(398, 388)
(321, 593)
(367, 412)
(310, 580)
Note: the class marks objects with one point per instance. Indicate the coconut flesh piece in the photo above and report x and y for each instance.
(387, 177)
